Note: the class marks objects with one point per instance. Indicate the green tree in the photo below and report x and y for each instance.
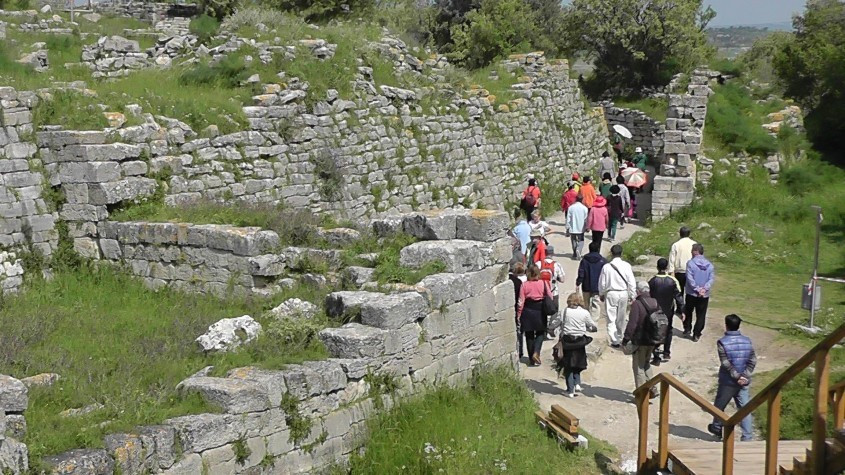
(811, 68)
(496, 29)
(321, 10)
(636, 43)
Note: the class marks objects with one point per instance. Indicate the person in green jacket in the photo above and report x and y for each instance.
(640, 158)
(606, 183)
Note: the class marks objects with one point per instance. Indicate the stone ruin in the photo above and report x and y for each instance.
(435, 332)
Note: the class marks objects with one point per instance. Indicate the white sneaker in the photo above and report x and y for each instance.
(578, 387)
(568, 394)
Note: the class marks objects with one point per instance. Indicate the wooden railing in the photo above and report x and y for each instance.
(820, 355)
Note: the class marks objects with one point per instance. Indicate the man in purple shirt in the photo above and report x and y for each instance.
(700, 277)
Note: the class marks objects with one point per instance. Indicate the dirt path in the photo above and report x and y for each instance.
(605, 408)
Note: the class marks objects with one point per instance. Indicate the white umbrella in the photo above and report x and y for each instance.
(634, 177)
(621, 130)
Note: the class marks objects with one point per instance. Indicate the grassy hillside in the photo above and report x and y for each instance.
(487, 427)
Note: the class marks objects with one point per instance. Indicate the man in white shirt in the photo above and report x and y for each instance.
(679, 255)
(576, 216)
(617, 288)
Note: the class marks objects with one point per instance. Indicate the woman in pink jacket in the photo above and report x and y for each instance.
(597, 219)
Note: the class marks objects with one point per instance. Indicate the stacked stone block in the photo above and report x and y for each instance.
(200, 258)
(14, 399)
(26, 220)
(675, 187)
(437, 332)
(114, 56)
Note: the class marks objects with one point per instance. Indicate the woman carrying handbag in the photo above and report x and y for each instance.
(570, 353)
(533, 310)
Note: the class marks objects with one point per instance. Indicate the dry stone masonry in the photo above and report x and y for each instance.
(312, 415)
(647, 132)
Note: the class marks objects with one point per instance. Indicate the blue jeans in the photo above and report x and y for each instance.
(572, 378)
(740, 396)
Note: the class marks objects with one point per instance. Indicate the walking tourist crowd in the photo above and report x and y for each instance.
(639, 315)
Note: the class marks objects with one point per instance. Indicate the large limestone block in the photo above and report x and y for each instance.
(375, 309)
(81, 462)
(482, 225)
(229, 333)
(201, 432)
(272, 382)
(234, 396)
(132, 188)
(457, 255)
(447, 288)
(354, 340)
(431, 225)
(388, 226)
(14, 457)
(13, 394)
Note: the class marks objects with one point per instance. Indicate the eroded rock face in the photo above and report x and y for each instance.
(81, 462)
(13, 395)
(457, 255)
(229, 333)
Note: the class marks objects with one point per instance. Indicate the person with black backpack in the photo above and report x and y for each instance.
(667, 291)
(646, 328)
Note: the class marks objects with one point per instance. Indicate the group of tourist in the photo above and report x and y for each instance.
(639, 315)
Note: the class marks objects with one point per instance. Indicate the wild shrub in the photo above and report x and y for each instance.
(322, 10)
(204, 27)
(229, 72)
(218, 8)
(496, 29)
(736, 120)
(70, 109)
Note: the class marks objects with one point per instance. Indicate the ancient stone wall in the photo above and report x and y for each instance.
(312, 415)
(674, 188)
(148, 11)
(26, 220)
(647, 132)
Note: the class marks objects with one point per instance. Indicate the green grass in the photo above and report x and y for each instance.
(116, 343)
(735, 120)
(652, 107)
(487, 427)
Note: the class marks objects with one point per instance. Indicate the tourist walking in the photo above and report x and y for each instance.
(537, 223)
(574, 322)
(517, 277)
(576, 180)
(738, 360)
(666, 290)
(626, 199)
(616, 286)
(636, 332)
(597, 219)
(530, 197)
(522, 231)
(536, 248)
(530, 313)
(604, 187)
(589, 272)
(551, 272)
(640, 159)
(700, 278)
(576, 221)
(568, 197)
(588, 192)
(607, 165)
(679, 255)
(615, 210)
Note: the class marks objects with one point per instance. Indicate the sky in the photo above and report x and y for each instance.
(754, 12)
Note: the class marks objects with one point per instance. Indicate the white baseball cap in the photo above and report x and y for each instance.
(638, 149)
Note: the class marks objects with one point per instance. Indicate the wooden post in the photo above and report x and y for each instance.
(773, 429)
(728, 449)
(839, 409)
(642, 446)
(663, 441)
(820, 412)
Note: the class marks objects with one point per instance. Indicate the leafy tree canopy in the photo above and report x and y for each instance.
(637, 43)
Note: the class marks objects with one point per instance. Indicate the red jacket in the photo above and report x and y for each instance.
(567, 199)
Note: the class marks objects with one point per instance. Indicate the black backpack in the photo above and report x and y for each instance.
(655, 326)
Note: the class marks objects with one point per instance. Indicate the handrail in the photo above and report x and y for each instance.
(682, 388)
(794, 370)
(824, 393)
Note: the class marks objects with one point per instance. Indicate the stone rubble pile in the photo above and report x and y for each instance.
(114, 56)
(173, 26)
(791, 116)
(228, 334)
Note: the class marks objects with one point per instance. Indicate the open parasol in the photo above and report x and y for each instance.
(621, 130)
(634, 177)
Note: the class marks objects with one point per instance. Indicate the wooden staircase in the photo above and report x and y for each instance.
(824, 454)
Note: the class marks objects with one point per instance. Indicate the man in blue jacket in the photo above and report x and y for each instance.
(589, 271)
(700, 278)
(737, 363)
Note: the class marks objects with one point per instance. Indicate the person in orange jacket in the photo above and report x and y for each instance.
(588, 192)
